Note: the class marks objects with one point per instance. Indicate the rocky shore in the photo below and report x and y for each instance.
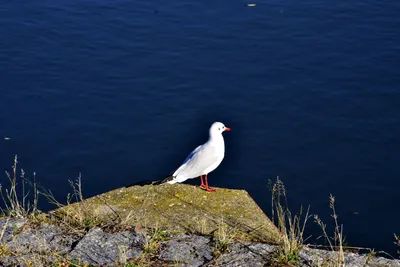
(171, 225)
(47, 245)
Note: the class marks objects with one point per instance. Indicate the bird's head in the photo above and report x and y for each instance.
(218, 128)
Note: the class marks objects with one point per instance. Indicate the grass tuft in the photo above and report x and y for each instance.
(75, 216)
(291, 227)
(153, 239)
(17, 204)
(224, 236)
(336, 242)
(397, 238)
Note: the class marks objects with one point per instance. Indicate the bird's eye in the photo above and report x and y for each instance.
(219, 129)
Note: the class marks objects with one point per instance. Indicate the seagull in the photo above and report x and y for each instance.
(203, 160)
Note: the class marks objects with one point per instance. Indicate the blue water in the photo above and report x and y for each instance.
(122, 91)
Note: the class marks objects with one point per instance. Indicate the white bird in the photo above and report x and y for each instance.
(203, 160)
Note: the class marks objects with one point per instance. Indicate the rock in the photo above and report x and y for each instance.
(246, 254)
(9, 227)
(46, 238)
(35, 246)
(182, 208)
(47, 245)
(318, 257)
(189, 250)
(27, 260)
(100, 248)
(258, 254)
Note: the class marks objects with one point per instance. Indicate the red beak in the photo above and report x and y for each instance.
(227, 129)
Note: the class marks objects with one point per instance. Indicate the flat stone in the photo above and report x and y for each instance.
(187, 250)
(100, 248)
(182, 208)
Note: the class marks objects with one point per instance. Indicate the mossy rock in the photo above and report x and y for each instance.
(181, 208)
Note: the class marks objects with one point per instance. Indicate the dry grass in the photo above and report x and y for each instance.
(151, 248)
(292, 227)
(153, 237)
(15, 204)
(78, 216)
(5, 251)
(335, 242)
(224, 236)
(397, 238)
(75, 216)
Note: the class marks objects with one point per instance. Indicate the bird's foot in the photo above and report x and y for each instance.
(203, 185)
(210, 189)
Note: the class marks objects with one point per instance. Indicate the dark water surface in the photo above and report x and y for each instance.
(123, 90)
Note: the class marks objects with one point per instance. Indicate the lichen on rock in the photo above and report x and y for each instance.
(182, 208)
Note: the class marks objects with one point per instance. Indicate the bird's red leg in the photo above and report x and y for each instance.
(202, 182)
(208, 189)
